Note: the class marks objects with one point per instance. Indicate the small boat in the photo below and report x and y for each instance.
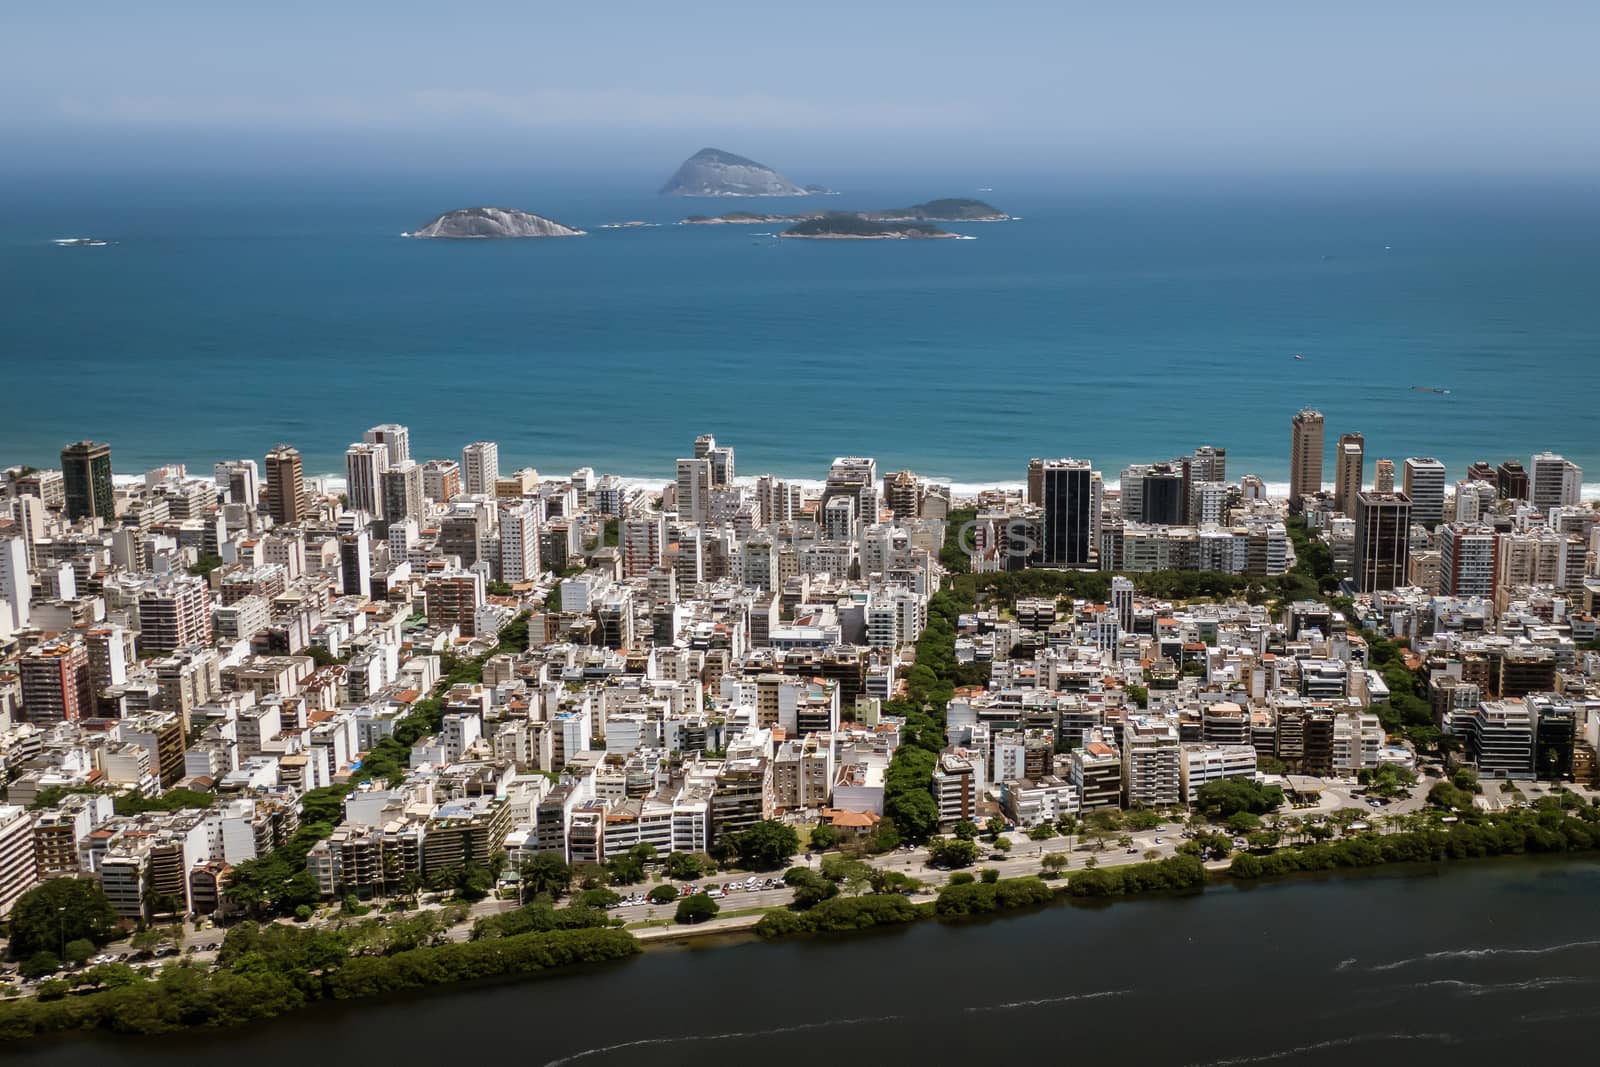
(1299, 355)
(1431, 389)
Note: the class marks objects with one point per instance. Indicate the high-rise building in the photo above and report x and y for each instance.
(855, 477)
(519, 541)
(396, 439)
(1161, 496)
(286, 486)
(1209, 464)
(1383, 526)
(1553, 482)
(86, 481)
(1071, 514)
(402, 496)
(1305, 457)
(694, 489)
(480, 468)
(174, 613)
(1467, 560)
(55, 682)
(364, 464)
(643, 539)
(1383, 476)
(241, 479)
(1511, 480)
(1424, 486)
(902, 491)
(1122, 601)
(355, 563)
(1035, 481)
(1348, 471)
(16, 586)
(441, 480)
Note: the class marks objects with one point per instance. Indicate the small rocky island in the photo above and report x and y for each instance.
(847, 225)
(952, 209)
(489, 222)
(713, 172)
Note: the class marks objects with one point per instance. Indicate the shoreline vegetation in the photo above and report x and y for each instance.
(267, 971)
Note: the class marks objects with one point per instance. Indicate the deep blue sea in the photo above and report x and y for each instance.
(1117, 320)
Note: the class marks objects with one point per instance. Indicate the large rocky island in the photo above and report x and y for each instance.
(476, 222)
(846, 225)
(713, 172)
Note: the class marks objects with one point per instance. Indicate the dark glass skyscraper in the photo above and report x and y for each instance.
(86, 480)
(1069, 513)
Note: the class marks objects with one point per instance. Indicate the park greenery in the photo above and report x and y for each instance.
(264, 971)
(1545, 828)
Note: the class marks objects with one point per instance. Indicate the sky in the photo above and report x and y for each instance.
(1138, 86)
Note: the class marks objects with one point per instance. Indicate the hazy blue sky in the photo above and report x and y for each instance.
(1193, 86)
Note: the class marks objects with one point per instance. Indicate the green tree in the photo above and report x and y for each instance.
(61, 910)
(695, 909)
(662, 894)
(823, 837)
(79, 951)
(601, 898)
(1243, 822)
(684, 866)
(1226, 797)
(810, 888)
(766, 845)
(545, 874)
(994, 827)
(1053, 862)
(40, 964)
(1043, 832)
(952, 852)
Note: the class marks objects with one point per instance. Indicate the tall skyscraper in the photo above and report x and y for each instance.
(1467, 560)
(1383, 476)
(1161, 495)
(1424, 479)
(1349, 469)
(1035, 481)
(286, 486)
(16, 586)
(1305, 457)
(519, 541)
(1210, 464)
(1553, 482)
(86, 480)
(694, 489)
(1070, 513)
(396, 439)
(902, 491)
(480, 468)
(355, 563)
(1383, 528)
(1511, 480)
(402, 496)
(364, 465)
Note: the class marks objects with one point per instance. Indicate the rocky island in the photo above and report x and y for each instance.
(845, 225)
(713, 172)
(948, 210)
(952, 209)
(489, 222)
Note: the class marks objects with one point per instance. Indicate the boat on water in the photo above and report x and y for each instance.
(1430, 389)
(80, 242)
(1299, 355)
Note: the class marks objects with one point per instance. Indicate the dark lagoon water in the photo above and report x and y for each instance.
(1487, 963)
(1118, 321)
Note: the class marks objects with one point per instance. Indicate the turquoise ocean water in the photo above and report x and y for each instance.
(1121, 321)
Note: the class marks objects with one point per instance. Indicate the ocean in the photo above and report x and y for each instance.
(1118, 321)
